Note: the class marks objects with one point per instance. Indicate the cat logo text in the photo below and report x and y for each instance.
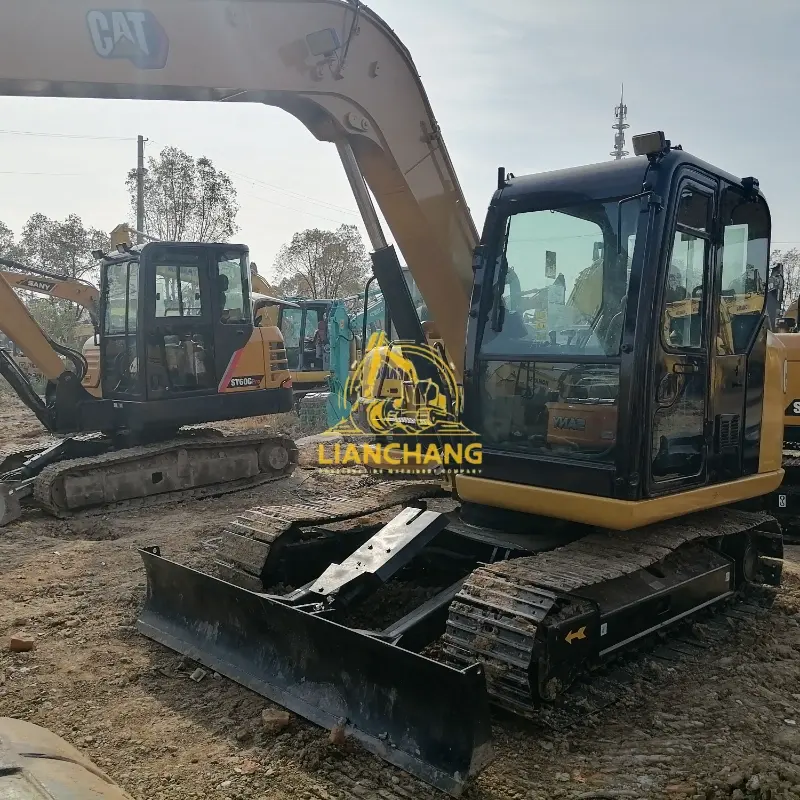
(134, 35)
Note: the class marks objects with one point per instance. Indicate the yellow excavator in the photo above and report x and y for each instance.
(552, 558)
(175, 345)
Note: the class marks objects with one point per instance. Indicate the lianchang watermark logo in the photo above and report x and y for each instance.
(405, 405)
(134, 35)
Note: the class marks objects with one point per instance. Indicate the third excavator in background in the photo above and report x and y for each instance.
(562, 552)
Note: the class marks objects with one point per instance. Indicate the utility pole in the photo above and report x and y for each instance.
(140, 191)
(621, 113)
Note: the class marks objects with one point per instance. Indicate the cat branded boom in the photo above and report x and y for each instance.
(562, 551)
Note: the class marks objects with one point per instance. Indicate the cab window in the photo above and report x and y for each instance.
(686, 278)
(562, 281)
(232, 286)
(178, 289)
(744, 256)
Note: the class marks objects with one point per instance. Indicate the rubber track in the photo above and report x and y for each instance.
(246, 541)
(46, 480)
(495, 616)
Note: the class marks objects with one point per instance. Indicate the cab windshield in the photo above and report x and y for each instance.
(549, 361)
(562, 280)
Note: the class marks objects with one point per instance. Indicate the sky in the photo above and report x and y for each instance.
(526, 84)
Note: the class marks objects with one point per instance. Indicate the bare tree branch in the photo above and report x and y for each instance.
(186, 199)
(319, 263)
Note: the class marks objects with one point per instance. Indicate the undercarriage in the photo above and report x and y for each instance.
(97, 473)
(403, 632)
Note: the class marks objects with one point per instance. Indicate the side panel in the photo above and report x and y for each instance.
(728, 381)
(248, 368)
(791, 421)
(754, 398)
(775, 398)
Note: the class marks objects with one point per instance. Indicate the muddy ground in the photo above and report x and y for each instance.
(728, 726)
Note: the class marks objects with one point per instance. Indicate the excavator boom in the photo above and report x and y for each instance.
(334, 65)
(17, 323)
(47, 283)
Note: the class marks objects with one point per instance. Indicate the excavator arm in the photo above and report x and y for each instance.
(17, 323)
(41, 282)
(260, 284)
(334, 65)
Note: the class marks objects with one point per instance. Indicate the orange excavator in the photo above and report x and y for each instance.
(175, 346)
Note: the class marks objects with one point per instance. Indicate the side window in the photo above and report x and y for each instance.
(312, 324)
(743, 255)
(120, 362)
(232, 288)
(291, 320)
(178, 291)
(687, 282)
(133, 297)
(116, 297)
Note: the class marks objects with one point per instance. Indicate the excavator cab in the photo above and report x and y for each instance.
(178, 340)
(673, 381)
(299, 327)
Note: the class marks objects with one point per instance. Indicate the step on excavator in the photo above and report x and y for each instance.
(564, 551)
(175, 348)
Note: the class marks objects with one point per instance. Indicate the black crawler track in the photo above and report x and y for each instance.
(52, 494)
(498, 616)
(251, 543)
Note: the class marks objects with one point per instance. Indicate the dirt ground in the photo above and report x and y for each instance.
(728, 727)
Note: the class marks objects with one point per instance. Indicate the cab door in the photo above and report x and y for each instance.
(120, 350)
(680, 433)
(180, 324)
(232, 313)
(739, 352)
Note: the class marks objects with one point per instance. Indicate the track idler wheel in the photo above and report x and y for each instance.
(756, 556)
(274, 457)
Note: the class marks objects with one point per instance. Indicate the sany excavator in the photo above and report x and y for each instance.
(175, 346)
(553, 557)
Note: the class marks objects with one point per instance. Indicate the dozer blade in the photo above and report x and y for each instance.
(425, 717)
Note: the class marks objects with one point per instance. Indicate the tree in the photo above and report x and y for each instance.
(791, 273)
(64, 248)
(186, 200)
(320, 263)
(6, 240)
(8, 246)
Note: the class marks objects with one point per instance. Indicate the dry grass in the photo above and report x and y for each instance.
(287, 424)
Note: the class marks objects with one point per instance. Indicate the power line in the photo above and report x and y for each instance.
(49, 174)
(297, 195)
(68, 136)
(291, 208)
(282, 190)
(254, 181)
